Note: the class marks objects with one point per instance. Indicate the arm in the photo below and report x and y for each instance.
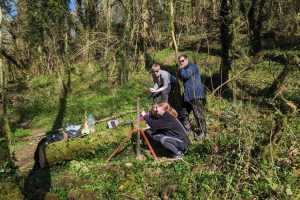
(187, 72)
(156, 123)
(166, 81)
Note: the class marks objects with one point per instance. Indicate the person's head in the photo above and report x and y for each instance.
(155, 70)
(183, 60)
(160, 108)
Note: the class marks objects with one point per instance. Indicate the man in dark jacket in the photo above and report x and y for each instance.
(193, 96)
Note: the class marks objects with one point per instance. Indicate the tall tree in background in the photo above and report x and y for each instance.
(226, 38)
(108, 27)
(172, 27)
(5, 154)
(46, 32)
(144, 37)
(255, 24)
(87, 13)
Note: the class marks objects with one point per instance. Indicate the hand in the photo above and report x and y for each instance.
(152, 90)
(143, 113)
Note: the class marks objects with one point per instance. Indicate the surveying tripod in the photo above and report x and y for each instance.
(128, 137)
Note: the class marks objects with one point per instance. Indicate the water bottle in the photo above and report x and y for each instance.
(91, 123)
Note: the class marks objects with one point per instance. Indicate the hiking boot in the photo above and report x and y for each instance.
(178, 155)
(200, 136)
(188, 127)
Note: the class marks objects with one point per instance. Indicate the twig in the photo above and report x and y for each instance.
(31, 137)
(125, 195)
(230, 79)
(115, 116)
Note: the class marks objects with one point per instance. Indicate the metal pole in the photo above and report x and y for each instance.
(138, 136)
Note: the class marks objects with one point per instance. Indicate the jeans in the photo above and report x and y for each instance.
(195, 105)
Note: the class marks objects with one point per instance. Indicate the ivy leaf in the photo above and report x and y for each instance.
(288, 191)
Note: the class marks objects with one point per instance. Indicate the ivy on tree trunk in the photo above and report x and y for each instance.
(226, 38)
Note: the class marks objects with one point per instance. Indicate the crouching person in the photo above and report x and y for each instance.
(164, 84)
(167, 130)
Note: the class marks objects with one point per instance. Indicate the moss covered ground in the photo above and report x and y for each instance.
(233, 162)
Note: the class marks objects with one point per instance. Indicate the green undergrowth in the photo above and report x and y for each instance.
(237, 160)
(39, 101)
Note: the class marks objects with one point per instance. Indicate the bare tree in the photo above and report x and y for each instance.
(255, 24)
(5, 154)
(226, 38)
(172, 27)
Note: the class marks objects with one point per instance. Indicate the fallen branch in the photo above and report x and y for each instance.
(115, 116)
(230, 79)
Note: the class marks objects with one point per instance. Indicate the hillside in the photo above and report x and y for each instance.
(251, 150)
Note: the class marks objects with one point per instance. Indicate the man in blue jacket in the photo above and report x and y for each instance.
(192, 97)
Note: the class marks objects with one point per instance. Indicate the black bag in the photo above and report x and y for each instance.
(71, 131)
(54, 136)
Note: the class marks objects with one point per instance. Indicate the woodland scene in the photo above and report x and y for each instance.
(74, 82)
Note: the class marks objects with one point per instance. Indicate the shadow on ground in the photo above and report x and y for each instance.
(38, 181)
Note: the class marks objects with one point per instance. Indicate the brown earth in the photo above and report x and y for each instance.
(25, 149)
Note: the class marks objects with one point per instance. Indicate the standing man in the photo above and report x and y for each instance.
(192, 97)
(164, 83)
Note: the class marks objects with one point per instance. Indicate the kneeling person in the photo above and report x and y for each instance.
(168, 131)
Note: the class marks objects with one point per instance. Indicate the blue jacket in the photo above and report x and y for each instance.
(192, 83)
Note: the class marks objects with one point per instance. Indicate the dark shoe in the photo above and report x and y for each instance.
(200, 136)
(178, 155)
(188, 127)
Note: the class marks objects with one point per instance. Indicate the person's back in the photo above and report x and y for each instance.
(168, 131)
(170, 126)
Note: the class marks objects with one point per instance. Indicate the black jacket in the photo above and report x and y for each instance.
(168, 125)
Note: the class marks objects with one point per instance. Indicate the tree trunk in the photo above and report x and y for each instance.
(80, 14)
(255, 25)
(5, 154)
(144, 39)
(226, 38)
(108, 27)
(172, 27)
(291, 63)
(279, 82)
(91, 13)
(69, 149)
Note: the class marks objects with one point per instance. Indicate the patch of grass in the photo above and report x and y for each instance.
(41, 107)
(21, 132)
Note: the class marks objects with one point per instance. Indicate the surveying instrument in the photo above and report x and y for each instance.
(138, 131)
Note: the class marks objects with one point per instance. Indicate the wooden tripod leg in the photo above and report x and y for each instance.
(120, 145)
(149, 145)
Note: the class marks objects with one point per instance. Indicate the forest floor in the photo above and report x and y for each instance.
(233, 162)
(24, 152)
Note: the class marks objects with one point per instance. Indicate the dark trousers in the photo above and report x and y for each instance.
(195, 105)
(162, 96)
(172, 144)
